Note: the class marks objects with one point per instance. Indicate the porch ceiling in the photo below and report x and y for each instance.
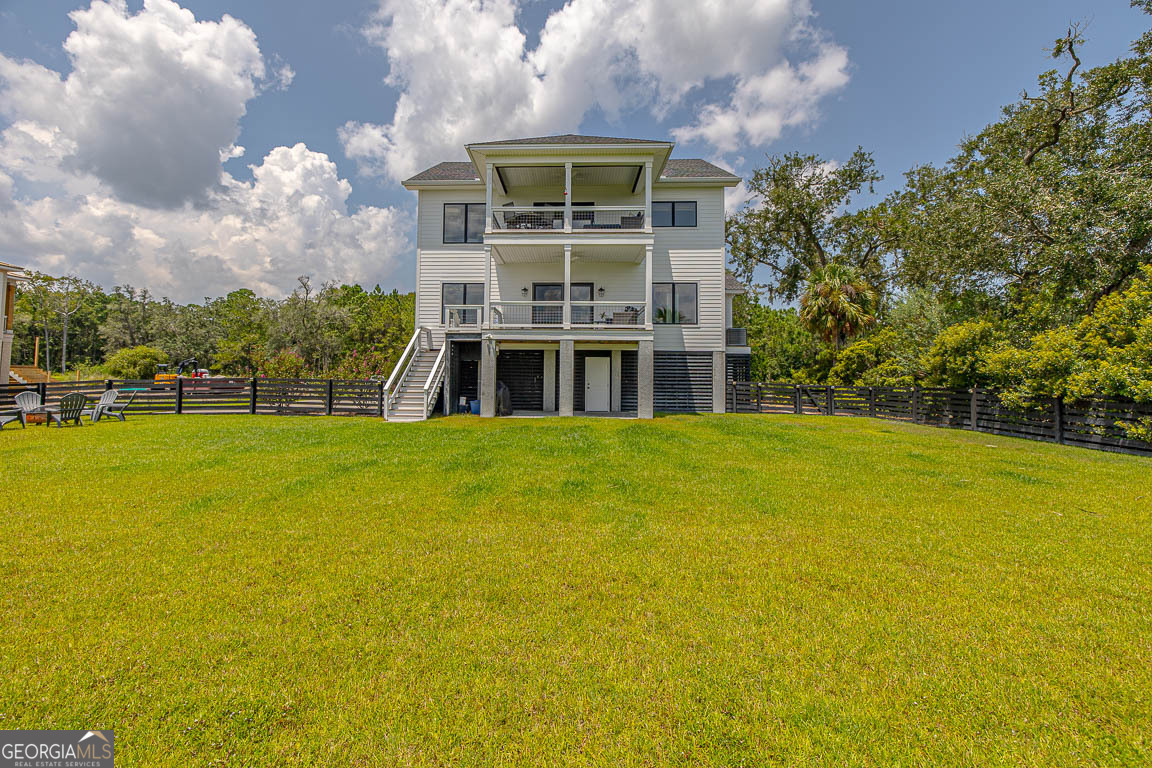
(516, 177)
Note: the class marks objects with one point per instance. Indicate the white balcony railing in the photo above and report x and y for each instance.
(463, 315)
(616, 314)
(550, 314)
(528, 314)
(517, 218)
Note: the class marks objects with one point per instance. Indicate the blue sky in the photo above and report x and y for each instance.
(116, 178)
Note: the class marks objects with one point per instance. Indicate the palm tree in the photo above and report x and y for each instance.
(837, 304)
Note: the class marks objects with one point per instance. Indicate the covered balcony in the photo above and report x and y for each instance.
(568, 198)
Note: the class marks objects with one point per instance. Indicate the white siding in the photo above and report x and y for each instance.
(693, 255)
(680, 254)
(438, 262)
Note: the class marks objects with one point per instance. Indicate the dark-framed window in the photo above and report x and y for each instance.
(675, 213)
(462, 295)
(464, 222)
(675, 304)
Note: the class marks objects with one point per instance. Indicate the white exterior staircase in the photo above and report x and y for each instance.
(410, 393)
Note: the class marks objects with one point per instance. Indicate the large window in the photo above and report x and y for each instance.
(459, 295)
(464, 222)
(675, 303)
(674, 214)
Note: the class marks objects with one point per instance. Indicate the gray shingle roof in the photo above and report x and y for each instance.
(675, 168)
(447, 172)
(731, 284)
(693, 168)
(568, 138)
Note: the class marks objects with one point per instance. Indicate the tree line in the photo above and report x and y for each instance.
(1022, 263)
(73, 327)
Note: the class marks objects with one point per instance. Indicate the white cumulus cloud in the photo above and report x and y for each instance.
(465, 73)
(114, 171)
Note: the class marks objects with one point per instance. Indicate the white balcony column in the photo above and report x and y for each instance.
(567, 285)
(648, 196)
(567, 197)
(486, 321)
(488, 197)
(649, 310)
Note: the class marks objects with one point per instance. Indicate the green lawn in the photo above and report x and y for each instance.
(715, 590)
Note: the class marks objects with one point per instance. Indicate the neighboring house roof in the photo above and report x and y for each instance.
(731, 284)
(447, 172)
(566, 138)
(675, 168)
(693, 168)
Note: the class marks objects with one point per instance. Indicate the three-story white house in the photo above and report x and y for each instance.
(584, 274)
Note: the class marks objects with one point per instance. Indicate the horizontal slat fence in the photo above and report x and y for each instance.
(1095, 423)
(221, 395)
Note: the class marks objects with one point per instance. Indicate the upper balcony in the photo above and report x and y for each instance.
(585, 218)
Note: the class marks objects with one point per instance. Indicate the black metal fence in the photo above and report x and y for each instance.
(283, 396)
(1097, 422)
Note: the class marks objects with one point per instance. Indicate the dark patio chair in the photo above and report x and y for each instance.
(70, 409)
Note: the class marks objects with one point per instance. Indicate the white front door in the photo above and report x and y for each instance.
(597, 375)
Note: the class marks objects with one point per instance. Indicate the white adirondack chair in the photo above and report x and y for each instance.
(28, 403)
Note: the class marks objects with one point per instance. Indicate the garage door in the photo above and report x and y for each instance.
(523, 372)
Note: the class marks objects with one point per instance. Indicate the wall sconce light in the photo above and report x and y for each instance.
(600, 291)
(524, 292)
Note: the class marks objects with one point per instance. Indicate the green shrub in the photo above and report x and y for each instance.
(958, 356)
(135, 362)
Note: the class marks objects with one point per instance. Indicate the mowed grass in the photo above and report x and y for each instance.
(697, 591)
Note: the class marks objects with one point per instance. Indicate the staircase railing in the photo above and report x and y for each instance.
(435, 377)
(421, 340)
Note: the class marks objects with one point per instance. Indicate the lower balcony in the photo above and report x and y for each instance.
(626, 315)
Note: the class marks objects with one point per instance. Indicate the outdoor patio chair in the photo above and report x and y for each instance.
(28, 403)
(70, 409)
(107, 406)
(7, 417)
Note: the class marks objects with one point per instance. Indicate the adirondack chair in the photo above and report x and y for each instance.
(27, 402)
(7, 417)
(106, 406)
(71, 408)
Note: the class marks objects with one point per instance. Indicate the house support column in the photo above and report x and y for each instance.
(488, 377)
(486, 321)
(488, 170)
(648, 196)
(549, 380)
(567, 197)
(567, 369)
(568, 285)
(649, 310)
(615, 405)
(645, 366)
(719, 381)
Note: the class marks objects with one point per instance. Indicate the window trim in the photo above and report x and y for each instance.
(444, 225)
(672, 286)
(673, 204)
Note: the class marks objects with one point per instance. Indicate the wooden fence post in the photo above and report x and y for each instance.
(328, 400)
(1058, 417)
(252, 404)
(179, 395)
(799, 404)
(830, 402)
(107, 384)
(974, 410)
(872, 402)
(380, 398)
(42, 388)
(915, 405)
